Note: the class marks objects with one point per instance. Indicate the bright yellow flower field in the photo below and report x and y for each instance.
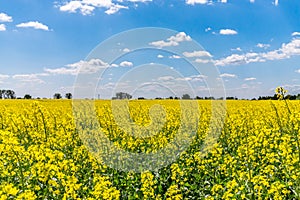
(256, 156)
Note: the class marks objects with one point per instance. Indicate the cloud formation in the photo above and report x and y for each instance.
(2, 27)
(228, 32)
(226, 75)
(83, 67)
(87, 7)
(33, 24)
(5, 18)
(126, 64)
(172, 41)
(197, 54)
(285, 51)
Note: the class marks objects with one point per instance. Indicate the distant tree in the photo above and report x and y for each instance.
(186, 96)
(2, 94)
(176, 98)
(170, 97)
(141, 98)
(68, 96)
(123, 95)
(27, 96)
(57, 96)
(197, 97)
(9, 94)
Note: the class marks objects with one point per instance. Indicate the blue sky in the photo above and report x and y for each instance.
(255, 45)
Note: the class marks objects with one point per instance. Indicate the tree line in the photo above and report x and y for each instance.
(10, 94)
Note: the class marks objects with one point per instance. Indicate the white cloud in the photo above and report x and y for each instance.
(265, 46)
(224, 1)
(29, 78)
(225, 75)
(175, 57)
(126, 64)
(87, 7)
(237, 49)
(198, 60)
(160, 56)
(83, 67)
(207, 29)
(298, 71)
(197, 54)
(2, 27)
(296, 34)
(3, 76)
(250, 79)
(228, 32)
(276, 2)
(193, 2)
(73, 6)
(172, 41)
(137, 1)
(252, 1)
(115, 8)
(286, 51)
(5, 18)
(35, 25)
(126, 50)
(166, 78)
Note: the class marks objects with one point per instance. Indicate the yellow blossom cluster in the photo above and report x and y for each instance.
(253, 154)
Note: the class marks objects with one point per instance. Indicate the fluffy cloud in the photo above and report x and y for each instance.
(172, 41)
(35, 25)
(298, 71)
(228, 32)
(5, 18)
(197, 54)
(2, 27)
(87, 7)
(160, 56)
(286, 51)
(276, 2)
(84, 67)
(225, 75)
(126, 64)
(250, 79)
(252, 1)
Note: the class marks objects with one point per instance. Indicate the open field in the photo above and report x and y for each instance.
(256, 156)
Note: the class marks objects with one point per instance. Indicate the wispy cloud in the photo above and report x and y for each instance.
(250, 79)
(226, 75)
(197, 54)
(33, 24)
(264, 46)
(296, 34)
